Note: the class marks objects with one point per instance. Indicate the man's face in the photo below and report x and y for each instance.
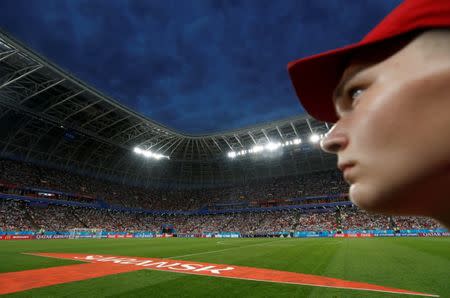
(393, 131)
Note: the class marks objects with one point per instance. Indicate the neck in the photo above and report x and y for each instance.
(445, 220)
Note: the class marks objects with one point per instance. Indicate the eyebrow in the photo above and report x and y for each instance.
(340, 87)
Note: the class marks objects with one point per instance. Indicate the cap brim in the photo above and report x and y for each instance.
(315, 78)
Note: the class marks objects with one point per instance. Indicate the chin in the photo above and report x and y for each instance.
(372, 200)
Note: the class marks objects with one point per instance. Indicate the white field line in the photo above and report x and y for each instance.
(232, 242)
(220, 250)
(307, 284)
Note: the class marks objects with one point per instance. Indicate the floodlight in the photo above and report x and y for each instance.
(257, 149)
(314, 138)
(147, 153)
(272, 146)
(232, 154)
(297, 141)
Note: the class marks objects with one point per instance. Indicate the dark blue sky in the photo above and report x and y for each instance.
(196, 66)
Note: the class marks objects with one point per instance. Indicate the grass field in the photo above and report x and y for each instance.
(417, 264)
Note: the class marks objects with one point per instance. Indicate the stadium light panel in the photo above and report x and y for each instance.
(158, 156)
(272, 146)
(149, 154)
(257, 149)
(314, 138)
(232, 154)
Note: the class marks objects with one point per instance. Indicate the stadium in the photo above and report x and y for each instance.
(98, 200)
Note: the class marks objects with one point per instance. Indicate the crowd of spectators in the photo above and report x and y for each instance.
(266, 193)
(19, 215)
(21, 178)
(13, 217)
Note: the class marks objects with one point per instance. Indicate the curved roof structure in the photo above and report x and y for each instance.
(48, 115)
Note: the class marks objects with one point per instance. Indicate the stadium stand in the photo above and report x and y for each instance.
(22, 178)
(17, 216)
(30, 194)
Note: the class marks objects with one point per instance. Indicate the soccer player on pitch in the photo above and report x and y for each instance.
(389, 97)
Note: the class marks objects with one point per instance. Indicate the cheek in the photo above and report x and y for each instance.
(395, 138)
(380, 140)
(404, 126)
(381, 135)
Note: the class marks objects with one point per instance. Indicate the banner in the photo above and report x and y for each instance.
(17, 237)
(52, 237)
(116, 236)
(356, 235)
(435, 234)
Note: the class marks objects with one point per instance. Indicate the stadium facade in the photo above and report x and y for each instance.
(50, 117)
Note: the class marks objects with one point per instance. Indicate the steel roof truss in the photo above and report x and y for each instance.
(45, 86)
(18, 74)
(70, 94)
(6, 54)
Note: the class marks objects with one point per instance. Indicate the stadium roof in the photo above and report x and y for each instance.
(46, 114)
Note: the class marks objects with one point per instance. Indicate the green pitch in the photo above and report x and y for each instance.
(417, 264)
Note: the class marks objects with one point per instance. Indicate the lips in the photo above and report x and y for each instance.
(346, 170)
(345, 165)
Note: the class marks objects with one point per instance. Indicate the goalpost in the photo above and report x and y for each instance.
(78, 233)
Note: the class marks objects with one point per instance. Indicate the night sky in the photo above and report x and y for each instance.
(195, 66)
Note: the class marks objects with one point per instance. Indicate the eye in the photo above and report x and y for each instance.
(354, 93)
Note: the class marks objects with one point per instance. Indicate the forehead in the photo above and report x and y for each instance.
(363, 61)
(353, 68)
(370, 56)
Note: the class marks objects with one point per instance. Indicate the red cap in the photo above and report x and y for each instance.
(316, 77)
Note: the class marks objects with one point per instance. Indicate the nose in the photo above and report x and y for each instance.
(334, 141)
